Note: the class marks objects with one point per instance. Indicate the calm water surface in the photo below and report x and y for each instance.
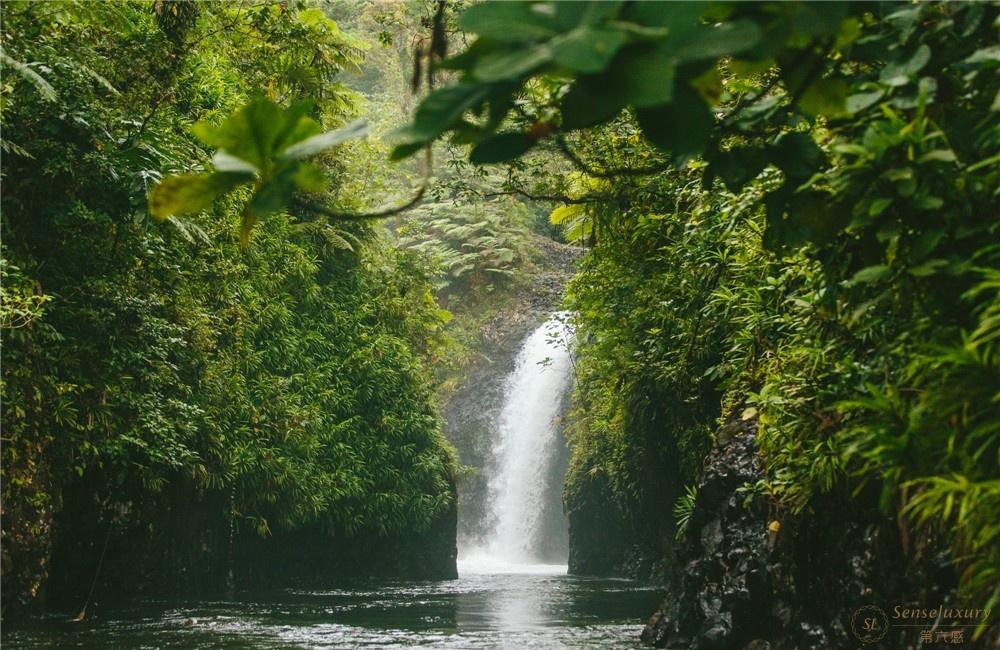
(503, 606)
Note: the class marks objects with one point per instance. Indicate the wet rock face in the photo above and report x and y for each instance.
(745, 577)
(600, 536)
(725, 556)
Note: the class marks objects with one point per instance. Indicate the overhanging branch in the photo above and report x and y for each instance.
(556, 198)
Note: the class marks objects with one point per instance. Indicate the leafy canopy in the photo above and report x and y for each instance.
(731, 83)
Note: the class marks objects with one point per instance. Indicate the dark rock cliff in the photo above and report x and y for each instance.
(612, 537)
(185, 545)
(744, 577)
(314, 557)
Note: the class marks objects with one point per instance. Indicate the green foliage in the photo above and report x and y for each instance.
(684, 508)
(581, 222)
(828, 258)
(791, 210)
(654, 328)
(659, 60)
(145, 359)
(20, 301)
(477, 247)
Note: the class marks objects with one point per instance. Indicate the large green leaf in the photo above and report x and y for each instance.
(508, 21)
(643, 75)
(509, 63)
(273, 195)
(821, 19)
(720, 40)
(862, 100)
(468, 58)
(870, 274)
(679, 18)
(262, 141)
(501, 148)
(587, 49)
(404, 151)
(275, 191)
(259, 130)
(191, 193)
(295, 125)
(500, 100)
(248, 134)
(989, 54)
(573, 13)
(588, 102)
(682, 127)
(440, 110)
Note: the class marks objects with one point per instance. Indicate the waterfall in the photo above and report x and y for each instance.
(524, 487)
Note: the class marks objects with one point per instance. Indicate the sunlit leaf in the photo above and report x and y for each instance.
(826, 97)
(720, 40)
(511, 63)
(564, 213)
(190, 193)
(317, 143)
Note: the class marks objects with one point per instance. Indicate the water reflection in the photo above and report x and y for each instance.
(509, 607)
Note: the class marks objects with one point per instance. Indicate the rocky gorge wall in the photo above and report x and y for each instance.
(744, 577)
(184, 545)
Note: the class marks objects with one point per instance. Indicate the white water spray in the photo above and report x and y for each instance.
(524, 451)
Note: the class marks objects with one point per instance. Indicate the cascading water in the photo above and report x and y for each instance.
(523, 484)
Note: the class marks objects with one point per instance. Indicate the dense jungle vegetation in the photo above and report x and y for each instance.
(279, 383)
(791, 213)
(146, 361)
(826, 260)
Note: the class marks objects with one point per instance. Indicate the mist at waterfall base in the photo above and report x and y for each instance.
(512, 589)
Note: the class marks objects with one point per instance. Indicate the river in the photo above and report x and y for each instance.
(534, 606)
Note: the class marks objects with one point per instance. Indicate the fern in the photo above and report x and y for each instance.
(684, 508)
(27, 72)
